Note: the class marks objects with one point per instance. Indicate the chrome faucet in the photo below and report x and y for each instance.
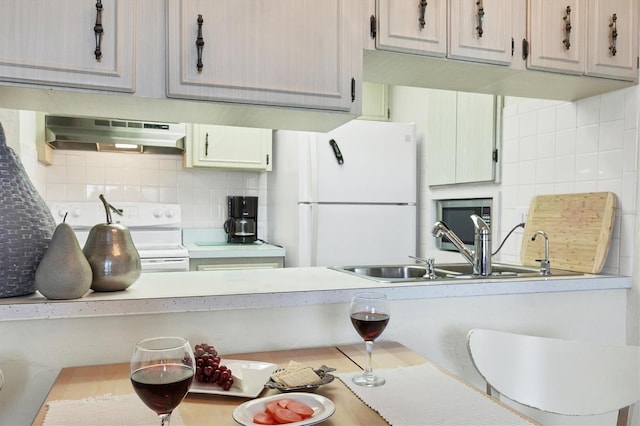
(480, 258)
(545, 264)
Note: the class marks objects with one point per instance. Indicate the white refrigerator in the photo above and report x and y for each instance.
(346, 197)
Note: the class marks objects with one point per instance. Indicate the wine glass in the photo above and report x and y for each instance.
(162, 369)
(370, 314)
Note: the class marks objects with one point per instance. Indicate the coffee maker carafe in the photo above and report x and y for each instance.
(242, 223)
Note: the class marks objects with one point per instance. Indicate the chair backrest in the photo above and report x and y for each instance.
(555, 375)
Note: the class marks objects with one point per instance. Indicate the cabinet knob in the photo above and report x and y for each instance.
(98, 30)
(567, 29)
(199, 43)
(613, 35)
(480, 15)
(423, 9)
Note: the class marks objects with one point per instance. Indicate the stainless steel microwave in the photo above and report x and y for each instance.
(456, 215)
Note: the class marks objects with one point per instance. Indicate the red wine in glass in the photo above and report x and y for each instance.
(162, 387)
(369, 325)
(162, 369)
(370, 314)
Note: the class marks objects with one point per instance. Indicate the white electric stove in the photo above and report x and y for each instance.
(155, 229)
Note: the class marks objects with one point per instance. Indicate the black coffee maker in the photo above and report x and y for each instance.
(242, 224)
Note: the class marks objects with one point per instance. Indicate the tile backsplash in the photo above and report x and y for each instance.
(82, 176)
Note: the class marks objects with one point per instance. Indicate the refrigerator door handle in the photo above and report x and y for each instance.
(336, 151)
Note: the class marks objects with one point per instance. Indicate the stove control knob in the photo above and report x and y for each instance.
(62, 212)
(75, 213)
(157, 213)
(169, 213)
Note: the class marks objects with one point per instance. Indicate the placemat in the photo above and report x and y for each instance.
(425, 395)
(105, 410)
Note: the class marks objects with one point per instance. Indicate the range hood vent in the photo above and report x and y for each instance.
(113, 135)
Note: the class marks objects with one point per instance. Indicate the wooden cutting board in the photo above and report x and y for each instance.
(579, 228)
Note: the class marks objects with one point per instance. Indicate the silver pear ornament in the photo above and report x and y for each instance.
(114, 259)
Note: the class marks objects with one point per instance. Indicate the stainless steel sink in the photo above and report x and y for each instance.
(387, 273)
(498, 270)
(417, 272)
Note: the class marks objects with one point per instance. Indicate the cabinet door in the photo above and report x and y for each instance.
(480, 30)
(475, 137)
(53, 43)
(557, 35)
(441, 137)
(297, 53)
(375, 102)
(229, 147)
(461, 137)
(613, 39)
(400, 27)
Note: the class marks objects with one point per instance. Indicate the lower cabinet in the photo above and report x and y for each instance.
(228, 147)
(218, 264)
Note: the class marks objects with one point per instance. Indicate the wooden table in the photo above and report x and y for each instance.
(199, 409)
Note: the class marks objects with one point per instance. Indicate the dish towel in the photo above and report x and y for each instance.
(425, 395)
(104, 410)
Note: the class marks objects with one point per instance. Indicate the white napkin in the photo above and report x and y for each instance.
(425, 395)
(105, 410)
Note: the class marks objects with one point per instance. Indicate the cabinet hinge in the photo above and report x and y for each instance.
(267, 159)
(372, 27)
(525, 49)
(353, 89)
(638, 62)
(513, 46)
(388, 113)
(494, 155)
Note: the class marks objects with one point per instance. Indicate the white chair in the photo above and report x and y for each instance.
(558, 376)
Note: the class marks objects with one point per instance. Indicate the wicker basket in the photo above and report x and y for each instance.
(26, 226)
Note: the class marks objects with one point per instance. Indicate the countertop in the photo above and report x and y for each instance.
(212, 243)
(163, 292)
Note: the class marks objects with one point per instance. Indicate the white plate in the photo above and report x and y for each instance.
(254, 375)
(323, 408)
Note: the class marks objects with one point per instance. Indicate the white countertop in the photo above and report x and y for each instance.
(164, 292)
(212, 243)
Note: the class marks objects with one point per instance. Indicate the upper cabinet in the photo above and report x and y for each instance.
(592, 37)
(297, 53)
(481, 30)
(462, 130)
(533, 48)
(300, 58)
(71, 43)
(478, 30)
(412, 26)
(228, 147)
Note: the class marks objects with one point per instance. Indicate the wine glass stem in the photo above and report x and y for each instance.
(165, 419)
(368, 344)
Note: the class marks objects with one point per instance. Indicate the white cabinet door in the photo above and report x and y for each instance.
(557, 35)
(298, 53)
(613, 39)
(400, 27)
(461, 137)
(480, 30)
(375, 101)
(54, 43)
(475, 137)
(228, 147)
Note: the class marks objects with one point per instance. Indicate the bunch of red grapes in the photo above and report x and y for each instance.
(208, 367)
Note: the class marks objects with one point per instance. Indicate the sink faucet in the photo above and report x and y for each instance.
(480, 258)
(545, 264)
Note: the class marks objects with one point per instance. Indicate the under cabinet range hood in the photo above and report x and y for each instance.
(114, 135)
